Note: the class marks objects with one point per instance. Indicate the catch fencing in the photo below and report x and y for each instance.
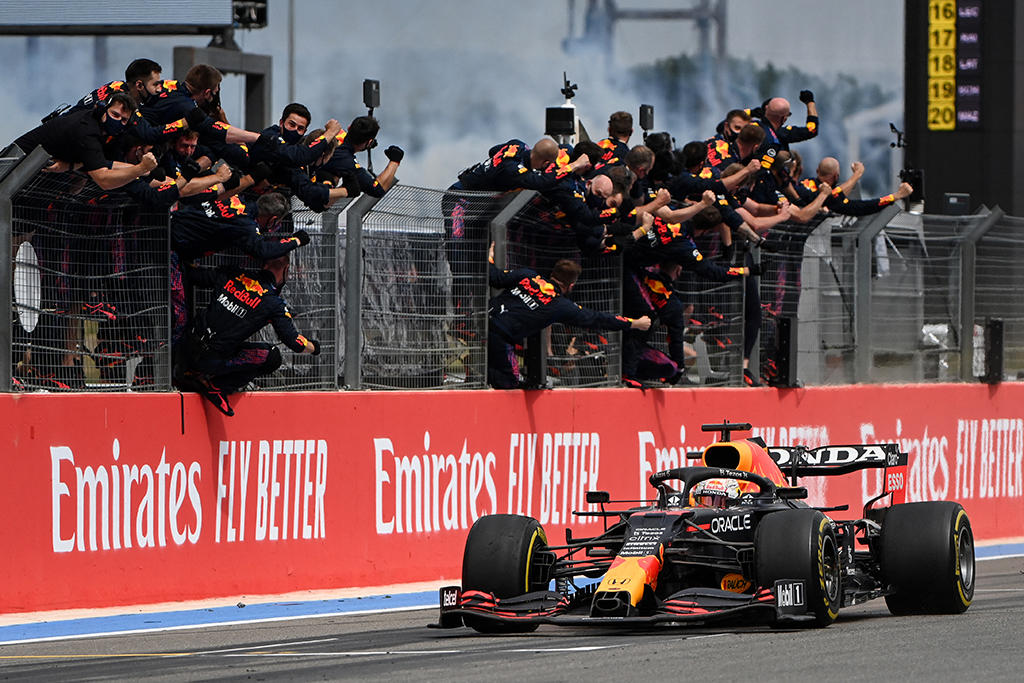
(396, 292)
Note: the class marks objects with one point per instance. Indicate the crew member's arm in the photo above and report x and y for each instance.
(802, 214)
(386, 178)
(281, 319)
(121, 173)
(858, 171)
(201, 184)
(737, 179)
(687, 212)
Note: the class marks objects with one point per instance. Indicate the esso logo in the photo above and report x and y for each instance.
(894, 481)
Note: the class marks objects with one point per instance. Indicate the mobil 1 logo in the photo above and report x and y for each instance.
(789, 597)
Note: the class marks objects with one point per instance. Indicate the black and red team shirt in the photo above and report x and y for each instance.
(839, 203)
(615, 152)
(674, 242)
(778, 140)
(214, 226)
(508, 168)
(344, 161)
(141, 128)
(172, 105)
(242, 305)
(529, 303)
(691, 186)
(77, 138)
(722, 153)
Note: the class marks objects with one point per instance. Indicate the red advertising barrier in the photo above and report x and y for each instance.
(127, 499)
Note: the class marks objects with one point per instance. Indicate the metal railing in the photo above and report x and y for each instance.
(396, 292)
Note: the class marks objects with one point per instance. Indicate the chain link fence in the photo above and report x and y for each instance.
(89, 306)
(396, 292)
(534, 237)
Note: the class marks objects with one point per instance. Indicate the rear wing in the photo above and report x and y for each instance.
(800, 461)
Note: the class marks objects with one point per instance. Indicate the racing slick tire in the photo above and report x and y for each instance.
(926, 552)
(801, 544)
(498, 558)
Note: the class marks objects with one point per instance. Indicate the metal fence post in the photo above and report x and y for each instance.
(329, 229)
(862, 291)
(537, 344)
(354, 291)
(968, 288)
(12, 183)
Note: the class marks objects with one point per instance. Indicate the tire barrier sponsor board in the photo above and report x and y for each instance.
(126, 499)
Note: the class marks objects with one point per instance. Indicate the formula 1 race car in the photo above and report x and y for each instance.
(734, 541)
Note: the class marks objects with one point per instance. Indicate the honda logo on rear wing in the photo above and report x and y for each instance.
(836, 459)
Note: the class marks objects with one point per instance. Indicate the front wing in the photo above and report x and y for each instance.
(782, 603)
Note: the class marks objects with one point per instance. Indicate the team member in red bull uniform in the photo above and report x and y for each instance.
(361, 136)
(528, 304)
(651, 291)
(516, 166)
(196, 101)
(669, 243)
(775, 190)
(142, 82)
(85, 138)
(221, 359)
(838, 201)
(216, 225)
(586, 205)
(616, 145)
(282, 148)
(778, 136)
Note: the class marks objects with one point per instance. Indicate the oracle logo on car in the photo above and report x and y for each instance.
(730, 523)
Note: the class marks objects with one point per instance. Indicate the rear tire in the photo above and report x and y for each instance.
(801, 544)
(498, 557)
(926, 551)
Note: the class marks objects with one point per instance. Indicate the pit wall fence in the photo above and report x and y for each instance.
(396, 292)
(146, 497)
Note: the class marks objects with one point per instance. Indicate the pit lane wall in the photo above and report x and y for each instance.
(126, 499)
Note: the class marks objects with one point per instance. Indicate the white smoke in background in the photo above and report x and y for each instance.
(446, 98)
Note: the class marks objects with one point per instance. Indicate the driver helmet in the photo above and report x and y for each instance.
(715, 493)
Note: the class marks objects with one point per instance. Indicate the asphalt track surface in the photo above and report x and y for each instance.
(865, 644)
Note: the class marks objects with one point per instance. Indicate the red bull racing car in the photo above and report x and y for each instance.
(728, 539)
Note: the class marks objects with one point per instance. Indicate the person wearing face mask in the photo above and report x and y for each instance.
(80, 140)
(142, 82)
(196, 101)
(286, 153)
(361, 136)
(220, 359)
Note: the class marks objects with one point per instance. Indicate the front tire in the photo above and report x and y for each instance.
(801, 544)
(926, 552)
(498, 559)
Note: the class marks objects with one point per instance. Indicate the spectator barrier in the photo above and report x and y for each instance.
(120, 499)
(894, 297)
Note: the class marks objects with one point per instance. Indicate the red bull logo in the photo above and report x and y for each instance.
(539, 288)
(252, 285)
(340, 137)
(246, 294)
(507, 152)
(562, 161)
